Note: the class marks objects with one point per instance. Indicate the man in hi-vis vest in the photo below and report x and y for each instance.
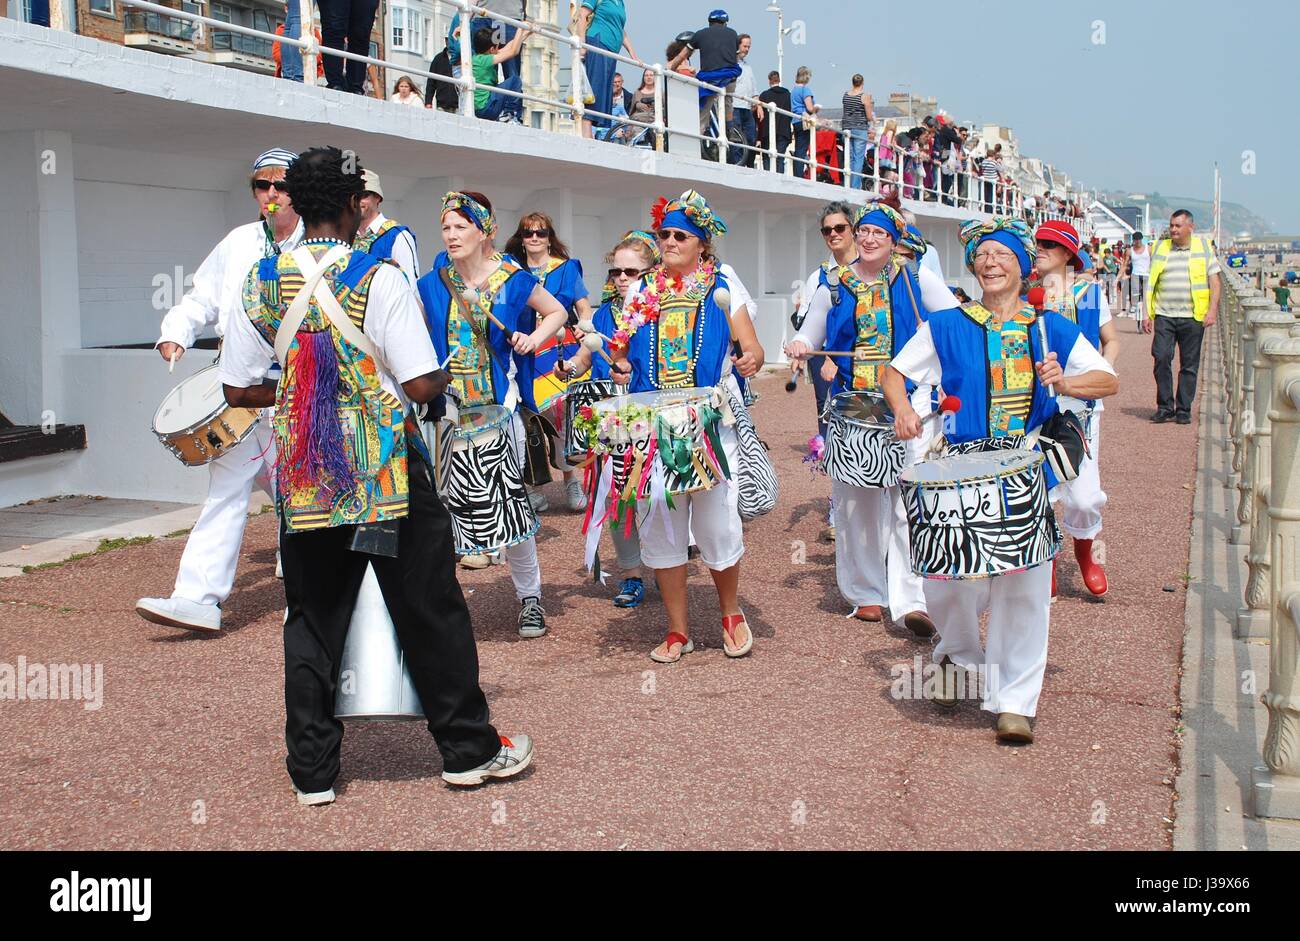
(1182, 302)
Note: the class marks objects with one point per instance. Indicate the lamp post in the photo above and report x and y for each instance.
(775, 7)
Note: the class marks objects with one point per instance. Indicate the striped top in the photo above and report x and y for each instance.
(855, 112)
(1173, 293)
(989, 169)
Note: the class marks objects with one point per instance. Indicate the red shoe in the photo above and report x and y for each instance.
(869, 612)
(1054, 580)
(1094, 576)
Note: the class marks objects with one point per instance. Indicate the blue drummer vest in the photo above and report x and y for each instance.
(842, 327)
(380, 244)
(712, 334)
(960, 343)
(603, 319)
(510, 306)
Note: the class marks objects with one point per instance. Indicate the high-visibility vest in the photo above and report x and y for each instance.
(1197, 270)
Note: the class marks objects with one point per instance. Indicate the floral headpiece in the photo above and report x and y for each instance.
(689, 212)
(479, 214)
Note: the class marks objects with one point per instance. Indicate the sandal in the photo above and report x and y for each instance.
(729, 623)
(673, 637)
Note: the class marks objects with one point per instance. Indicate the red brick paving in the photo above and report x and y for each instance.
(800, 745)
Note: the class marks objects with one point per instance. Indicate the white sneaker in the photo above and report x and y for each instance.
(178, 612)
(538, 501)
(577, 499)
(315, 798)
(515, 755)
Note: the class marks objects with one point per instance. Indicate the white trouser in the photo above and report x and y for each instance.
(525, 570)
(207, 570)
(1016, 657)
(711, 518)
(872, 561)
(1082, 499)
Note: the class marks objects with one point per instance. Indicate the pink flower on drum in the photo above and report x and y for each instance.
(640, 428)
(586, 412)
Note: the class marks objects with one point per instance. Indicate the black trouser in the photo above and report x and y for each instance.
(322, 577)
(782, 145)
(988, 195)
(1186, 333)
(345, 25)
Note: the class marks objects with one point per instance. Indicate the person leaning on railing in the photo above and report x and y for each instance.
(601, 23)
(776, 96)
(805, 108)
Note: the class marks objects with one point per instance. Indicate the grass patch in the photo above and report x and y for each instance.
(105, 545)
(179, 532)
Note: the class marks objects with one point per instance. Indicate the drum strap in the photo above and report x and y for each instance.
(512, 396)
(313, 272)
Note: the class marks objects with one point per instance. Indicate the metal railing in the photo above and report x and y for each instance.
(920, 182)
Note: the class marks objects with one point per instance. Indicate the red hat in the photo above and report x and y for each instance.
(1063, 234)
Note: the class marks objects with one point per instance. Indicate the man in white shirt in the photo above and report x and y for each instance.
(207, 569)
(381, 236)
(743, 113)
(1140, 266)
(381, 513)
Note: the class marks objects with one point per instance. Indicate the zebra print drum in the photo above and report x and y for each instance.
(668, 428)
(979, 514)
(485, 489)
(579, 394)
(861, 449)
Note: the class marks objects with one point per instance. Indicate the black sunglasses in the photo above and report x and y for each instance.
(535, 233)
(263, 186)
(1044, 243)
(630, 272)
(837, 229)
(678, 234)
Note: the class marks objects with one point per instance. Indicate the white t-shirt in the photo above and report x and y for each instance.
(1142, 262)
(394, 323)
(740, 296)
(919, 361)
(403, 250)
(930, 261)
(218, 284)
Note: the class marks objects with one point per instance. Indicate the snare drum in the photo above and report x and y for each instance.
(667, 430)
(196, 424)
(861, 449)
(485, 492)
(979, 514)
(579, 394)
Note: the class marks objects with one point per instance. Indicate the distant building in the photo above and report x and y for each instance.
(1111, 224)
(910, 110)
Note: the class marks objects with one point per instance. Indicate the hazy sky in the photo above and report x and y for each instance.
(1174, 87)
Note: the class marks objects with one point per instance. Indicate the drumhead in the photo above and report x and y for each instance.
(863, 408)
(660, 399)
(479, 418)
(191, 403)
(957, 468)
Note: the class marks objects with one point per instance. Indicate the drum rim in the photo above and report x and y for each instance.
(207, 419)
(1036, 462)
(504, 419)
(833, 415)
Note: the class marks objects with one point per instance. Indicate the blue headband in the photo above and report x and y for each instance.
(877, 217)
(1011, 241)
(678, 219)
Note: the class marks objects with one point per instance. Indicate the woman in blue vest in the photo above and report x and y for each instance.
(988, 353)
(470, 281)
(687, 341)
(1084, 304)
(537, 247)
(875, 311)
(633, 257)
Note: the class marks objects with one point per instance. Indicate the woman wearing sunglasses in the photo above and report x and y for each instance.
(472, 293)
(1082, 303)
(837, 231)
(536, 246)
(632, 258)
(687, 341)
(990, 355)
(878, 309)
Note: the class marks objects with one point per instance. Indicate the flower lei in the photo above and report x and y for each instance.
(644, 306)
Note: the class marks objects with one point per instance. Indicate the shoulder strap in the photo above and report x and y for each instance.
(916, 310)
(312, 272)
(480, 333)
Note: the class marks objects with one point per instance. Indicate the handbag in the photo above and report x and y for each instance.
(1064, 444)
(757, 488)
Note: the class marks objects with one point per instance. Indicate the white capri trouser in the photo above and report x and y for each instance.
(711, 516)
(1082, 499)
(873, 563)
(525, 570)
(1016, 657)
(207, 569)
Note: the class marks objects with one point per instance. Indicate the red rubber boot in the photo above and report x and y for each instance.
(1054, 580)
(1094, 576)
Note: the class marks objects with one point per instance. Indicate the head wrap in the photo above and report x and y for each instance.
(476, 211)
(275, 157)
(1012, 233)
(691, 213)
(656, 256)
(891, 220)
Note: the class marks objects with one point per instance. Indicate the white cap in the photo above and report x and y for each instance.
(370, 182)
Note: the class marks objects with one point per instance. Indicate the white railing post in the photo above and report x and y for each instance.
(307, 32)
(466, 60)
(720, 116)
(770, 117)
(577, 84)
(660, 123)
(847, 163)
(1276, 783)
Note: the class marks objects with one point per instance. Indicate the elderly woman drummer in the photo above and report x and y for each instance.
(990, 354)
(876, 308)
(685, 340)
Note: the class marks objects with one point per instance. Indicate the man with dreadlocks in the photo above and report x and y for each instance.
(348, 330)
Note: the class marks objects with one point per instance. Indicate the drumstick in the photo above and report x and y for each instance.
(171, 361)
(1035, 298)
